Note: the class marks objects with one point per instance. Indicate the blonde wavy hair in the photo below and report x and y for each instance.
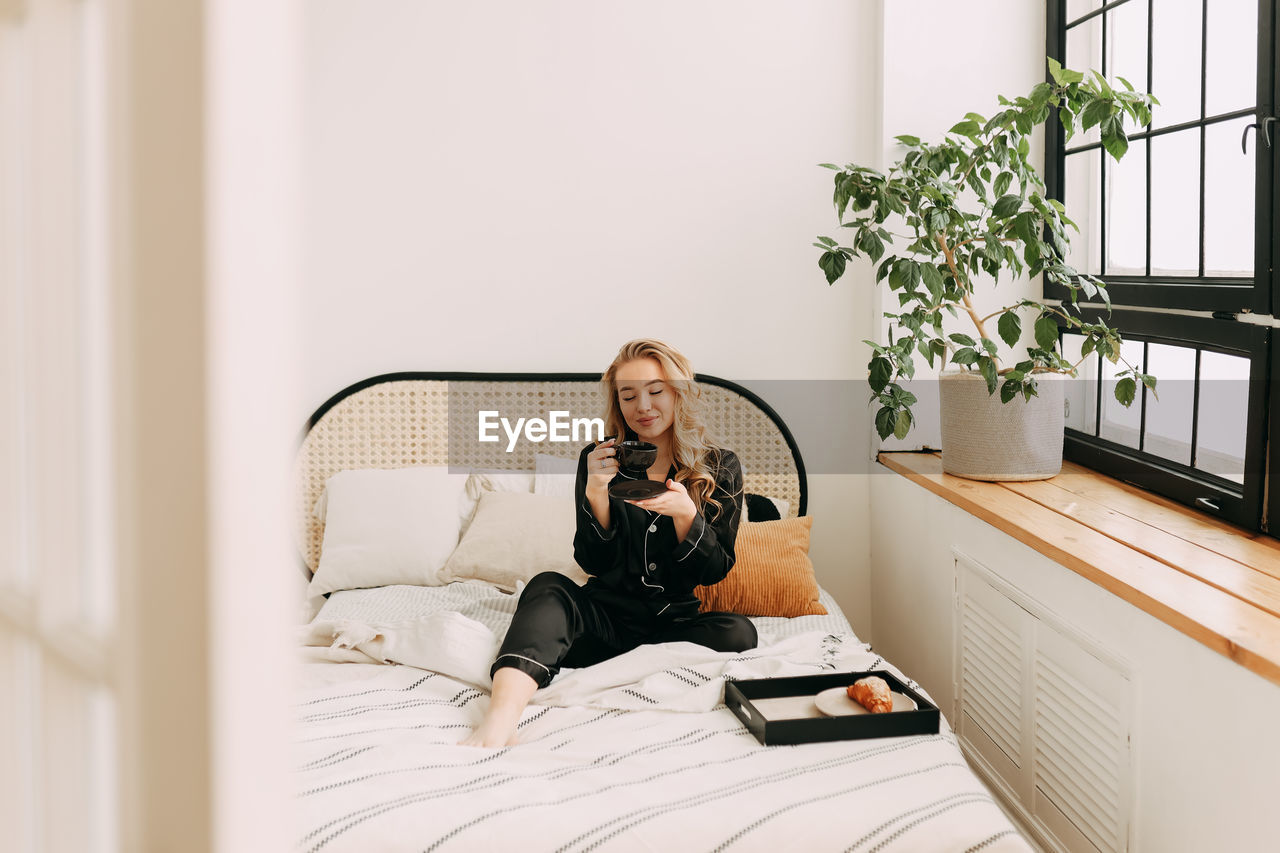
(691, 447)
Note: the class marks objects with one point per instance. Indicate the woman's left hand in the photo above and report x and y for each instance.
(675, 502)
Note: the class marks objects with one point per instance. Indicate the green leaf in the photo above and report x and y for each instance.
(885, 422)
(988, 368)
(1002, 183)
(1115, 142)
(1046, 332)
(963, 340)
(1068, 120)
(902, 425)
(881, 373)
(870, 243)
(1029, 389)
(1006, 206)
(1055, 70)
(924, 348)
(1040, 94)
(1008, 390)
(966, 355)
(1125, 391)
(1024, 225)
(883, 270)
(1010, 327)
(832, 264)
(932, 280)
(906, 139)
(912, 274)
(1095, 112)
(968, 128)
(896, 279)
(830, 166)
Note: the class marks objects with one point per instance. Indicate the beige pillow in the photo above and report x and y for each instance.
(387, 526)
(514, 536)
(772, 575)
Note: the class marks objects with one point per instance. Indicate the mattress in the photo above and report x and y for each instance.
(607, 762)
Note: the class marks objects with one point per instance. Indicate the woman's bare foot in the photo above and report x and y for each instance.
(512, 690)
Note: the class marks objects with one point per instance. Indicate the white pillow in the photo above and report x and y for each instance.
(513, 537)
(554, 475)
(387, 526)
(481, 481)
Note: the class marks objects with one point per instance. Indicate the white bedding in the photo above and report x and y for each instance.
(637, 753)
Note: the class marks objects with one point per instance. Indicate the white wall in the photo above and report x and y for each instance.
(524, 186)
(939, 65)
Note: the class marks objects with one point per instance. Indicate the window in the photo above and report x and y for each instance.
(59, 625)
(1181, 229)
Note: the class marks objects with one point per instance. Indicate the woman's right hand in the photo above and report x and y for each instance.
(602, 465)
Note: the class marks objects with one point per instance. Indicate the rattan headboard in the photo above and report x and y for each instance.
(398, 420)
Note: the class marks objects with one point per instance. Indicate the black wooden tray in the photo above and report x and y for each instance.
(740, 697)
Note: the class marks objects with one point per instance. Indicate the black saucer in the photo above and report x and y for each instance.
(636, 490)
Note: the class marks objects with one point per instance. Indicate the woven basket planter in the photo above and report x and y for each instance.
(984, 439)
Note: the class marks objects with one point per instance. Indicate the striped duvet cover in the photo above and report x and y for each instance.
(378, 768)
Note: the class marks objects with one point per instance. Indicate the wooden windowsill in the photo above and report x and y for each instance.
(1214, 582)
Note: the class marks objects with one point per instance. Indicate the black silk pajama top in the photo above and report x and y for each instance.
(637, 567)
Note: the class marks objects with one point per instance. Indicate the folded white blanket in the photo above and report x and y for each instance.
(445, 641)
(669, 676)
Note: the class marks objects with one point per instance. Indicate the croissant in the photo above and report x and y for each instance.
(872, 693)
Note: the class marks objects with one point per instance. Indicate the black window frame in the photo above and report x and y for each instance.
(1217, 301)
(1185, 483)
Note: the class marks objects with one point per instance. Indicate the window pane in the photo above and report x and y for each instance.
(1175, 203)
(1082, 392)
(1076, 8)
(1231, 72)
(19, 730)
(1224, 406)
(1082, 185)
(1175, 60)
(13, 477)
(1228, 201)
(1120, 424)
(16, 203)
(66, 753)
(1169, 418)
(1127, 44)
(1084, 52)
(1127, 212)
(96, 369)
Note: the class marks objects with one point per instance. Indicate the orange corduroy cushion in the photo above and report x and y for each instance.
(772, 576)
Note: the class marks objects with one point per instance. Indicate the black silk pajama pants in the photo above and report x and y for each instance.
(558, 623)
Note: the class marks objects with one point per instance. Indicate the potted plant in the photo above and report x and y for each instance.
(971, 205)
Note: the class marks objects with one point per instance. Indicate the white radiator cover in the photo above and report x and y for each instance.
(1044, 712)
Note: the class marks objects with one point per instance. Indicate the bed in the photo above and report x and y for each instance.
(637, 753)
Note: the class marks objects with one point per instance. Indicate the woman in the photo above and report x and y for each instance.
(644, 556)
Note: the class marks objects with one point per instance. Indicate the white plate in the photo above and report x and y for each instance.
(836, 703)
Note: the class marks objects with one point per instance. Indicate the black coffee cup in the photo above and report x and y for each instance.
(635, 457)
